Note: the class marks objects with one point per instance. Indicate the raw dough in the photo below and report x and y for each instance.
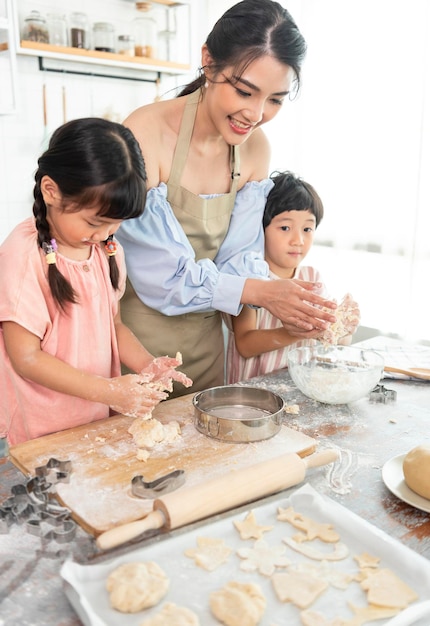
(210, 553)
(148, 432)
(339, 552)
(238, 604)
(416, 469)
(312, 530)
(365, 560)
(172, 615)
(347, 319)
(249, 529)
(297, 587)
(263, 558)
(386, 589)
(136, 586)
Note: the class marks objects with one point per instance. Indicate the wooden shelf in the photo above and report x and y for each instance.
(65, 53)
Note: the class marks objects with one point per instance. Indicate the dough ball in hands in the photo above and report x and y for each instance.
(416, 470)
(133, 587)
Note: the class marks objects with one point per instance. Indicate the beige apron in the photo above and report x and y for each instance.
(198, 336)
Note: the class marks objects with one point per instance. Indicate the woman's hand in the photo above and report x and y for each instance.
(295, 302)
(133, 395)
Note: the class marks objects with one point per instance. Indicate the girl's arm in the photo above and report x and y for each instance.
(251, 341)
(125, 394)
(131, 352)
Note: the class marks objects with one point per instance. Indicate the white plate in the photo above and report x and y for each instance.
(392, 475)
(191, 586)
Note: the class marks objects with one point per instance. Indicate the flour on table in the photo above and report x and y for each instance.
(210, 553)
(172, 615)
(263, 558)
(249, 529)
(133, 587)
(238, 604)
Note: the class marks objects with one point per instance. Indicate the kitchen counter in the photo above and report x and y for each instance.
(366, 433)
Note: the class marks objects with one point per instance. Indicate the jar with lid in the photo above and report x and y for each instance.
(103, 37)
(57, 27)
(126, 45)
(35, 28)
(79, 35)
(145, 31)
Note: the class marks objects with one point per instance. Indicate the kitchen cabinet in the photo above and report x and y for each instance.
(7, 59)
(96, 63)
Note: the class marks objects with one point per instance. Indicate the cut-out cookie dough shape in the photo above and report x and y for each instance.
(385, 588)
(335, 577)
(238, 604)
(249, 529)
(262, 558)
(339, 552)
(133, 587)
(210, 553)
(173, 615)
(366, 560)
(311, 529)
(362, 615)
(297, 587)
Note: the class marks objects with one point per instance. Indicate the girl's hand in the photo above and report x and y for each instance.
(133, 395)
(162, 370)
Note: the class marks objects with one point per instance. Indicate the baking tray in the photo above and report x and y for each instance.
(190, 585)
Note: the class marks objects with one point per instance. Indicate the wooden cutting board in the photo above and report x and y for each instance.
(103, 457)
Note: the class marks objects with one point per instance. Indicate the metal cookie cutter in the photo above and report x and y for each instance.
(383, 395)
(55, 471)
(154, 488)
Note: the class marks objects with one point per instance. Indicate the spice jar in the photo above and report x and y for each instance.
(103, 37)
(126, 45)
(35, 28)
(79, 36)
(57, 27)
(145, 31)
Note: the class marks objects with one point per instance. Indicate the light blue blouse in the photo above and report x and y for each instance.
(161, 263)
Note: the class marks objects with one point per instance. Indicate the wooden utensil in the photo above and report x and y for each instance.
(416, 372)
(184, 506)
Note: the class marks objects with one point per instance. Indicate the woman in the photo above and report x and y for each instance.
(198, 247)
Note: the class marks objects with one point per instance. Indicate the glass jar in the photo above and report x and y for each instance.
(57, 27)
(79, 36)
(103, 37)
(35, 28)
(126, 45)
(145, 31)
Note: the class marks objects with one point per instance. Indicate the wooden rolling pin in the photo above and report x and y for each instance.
(416, 372)
(184, 506)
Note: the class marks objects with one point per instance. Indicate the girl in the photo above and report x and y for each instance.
(257, 341)
(62, 275)
(198, 247)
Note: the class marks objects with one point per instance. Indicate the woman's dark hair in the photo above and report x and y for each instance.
(246, 32)
(291, 193)
(94, 162)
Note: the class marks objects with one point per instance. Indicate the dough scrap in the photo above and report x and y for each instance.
(366, 560)
(416, 470)
(339, 552)
(298, 587)
(263, 558)
(249, 529)
(292, 409)
(384, 588)
(314, 618)
(133, 587)
(148, 432)
(210, 553)
(312, 530)
(172, 615)
(238, 604)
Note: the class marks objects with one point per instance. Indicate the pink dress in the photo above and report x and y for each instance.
(84, 337)
(237, 367)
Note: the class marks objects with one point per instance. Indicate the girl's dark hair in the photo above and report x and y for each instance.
(94, 162)
(291, 193)
(249, 30)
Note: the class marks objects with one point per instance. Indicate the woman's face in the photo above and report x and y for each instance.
(238, 105)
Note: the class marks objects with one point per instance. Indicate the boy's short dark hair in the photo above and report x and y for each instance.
(291, 193)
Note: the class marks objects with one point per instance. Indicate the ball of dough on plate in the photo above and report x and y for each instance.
(416, 470)
(136, 586)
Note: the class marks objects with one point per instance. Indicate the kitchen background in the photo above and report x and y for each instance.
(359, 131)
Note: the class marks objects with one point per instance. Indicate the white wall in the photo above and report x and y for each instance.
(23, 136)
